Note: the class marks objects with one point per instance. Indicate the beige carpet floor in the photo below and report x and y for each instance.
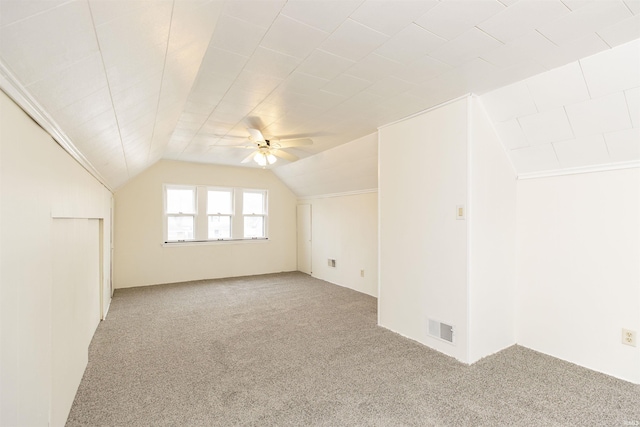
(289, 350)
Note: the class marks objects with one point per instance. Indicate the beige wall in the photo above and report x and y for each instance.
(345, 228)
(140, 258)
(43, 191)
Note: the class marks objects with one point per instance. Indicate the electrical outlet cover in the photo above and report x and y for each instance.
(629, 337)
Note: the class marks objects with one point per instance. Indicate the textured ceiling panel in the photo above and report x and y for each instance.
(131, 82)
(579, 115)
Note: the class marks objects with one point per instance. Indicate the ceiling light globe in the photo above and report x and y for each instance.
(260, 159)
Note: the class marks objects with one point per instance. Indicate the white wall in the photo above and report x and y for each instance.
(579, 268)
(345, 228)
(141, 259)
(423, 255)
(41, 182)
(432, 265)
(491, 217)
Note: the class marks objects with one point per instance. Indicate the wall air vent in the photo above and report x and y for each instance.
(441, 330)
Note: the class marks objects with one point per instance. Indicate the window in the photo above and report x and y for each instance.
(219, 213)
(201, 214)
(254, 210)
(180, 208)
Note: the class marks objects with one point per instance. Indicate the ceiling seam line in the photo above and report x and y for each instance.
(567, 7)
(68, 67)
(164, 67)
(626, 100)
(38, 13)
(606, 146)
(338, 56)
(584, 79)
(547, 38)
(303, 59)
(273, 90)
(104, 69)
(446, 40)
(487, 34)
(555, 153)
(573, 132)
(355, 62)
(603, 40)
(232, 83)
(532, 98)
(628, 8)
(369, 28)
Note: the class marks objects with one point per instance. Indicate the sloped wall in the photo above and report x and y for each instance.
(347, 168)
(583, 115)
(45, 325)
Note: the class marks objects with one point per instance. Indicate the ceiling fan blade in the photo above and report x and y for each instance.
(249, 157)
(284, 155)
(227, 136)
(256, 135)
(284, 143)
(240, 144)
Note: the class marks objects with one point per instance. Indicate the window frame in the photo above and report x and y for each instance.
(201, 215)
(167, 214)
(230, 215)
(264, 215)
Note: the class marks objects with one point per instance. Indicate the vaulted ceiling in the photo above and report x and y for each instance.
(129, 82)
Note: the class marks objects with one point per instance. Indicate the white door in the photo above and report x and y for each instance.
(304, 238)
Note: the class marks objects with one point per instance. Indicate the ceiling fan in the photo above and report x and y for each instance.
(268, 150)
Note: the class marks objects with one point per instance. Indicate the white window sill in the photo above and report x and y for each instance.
(213, 242)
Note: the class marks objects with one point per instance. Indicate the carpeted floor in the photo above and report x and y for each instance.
(290, 350)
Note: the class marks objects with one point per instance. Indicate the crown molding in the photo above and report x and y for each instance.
(346, 193)
(579, 170)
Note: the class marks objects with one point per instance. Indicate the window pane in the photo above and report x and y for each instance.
(180, 228)
(219, 227)
(218, 202)
(181, 200)
(253, 226)
(253, 203)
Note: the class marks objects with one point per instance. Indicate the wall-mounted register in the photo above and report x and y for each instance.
(441, 330)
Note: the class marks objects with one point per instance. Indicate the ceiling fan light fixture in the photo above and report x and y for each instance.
(264, 157)
(260, 159)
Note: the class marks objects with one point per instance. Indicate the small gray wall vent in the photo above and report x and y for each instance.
(441, 330)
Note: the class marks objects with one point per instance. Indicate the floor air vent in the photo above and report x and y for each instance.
(441, 330)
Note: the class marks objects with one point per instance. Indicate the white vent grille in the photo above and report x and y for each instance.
(441, 330)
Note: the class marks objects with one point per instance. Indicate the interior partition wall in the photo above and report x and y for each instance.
(446, 256)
